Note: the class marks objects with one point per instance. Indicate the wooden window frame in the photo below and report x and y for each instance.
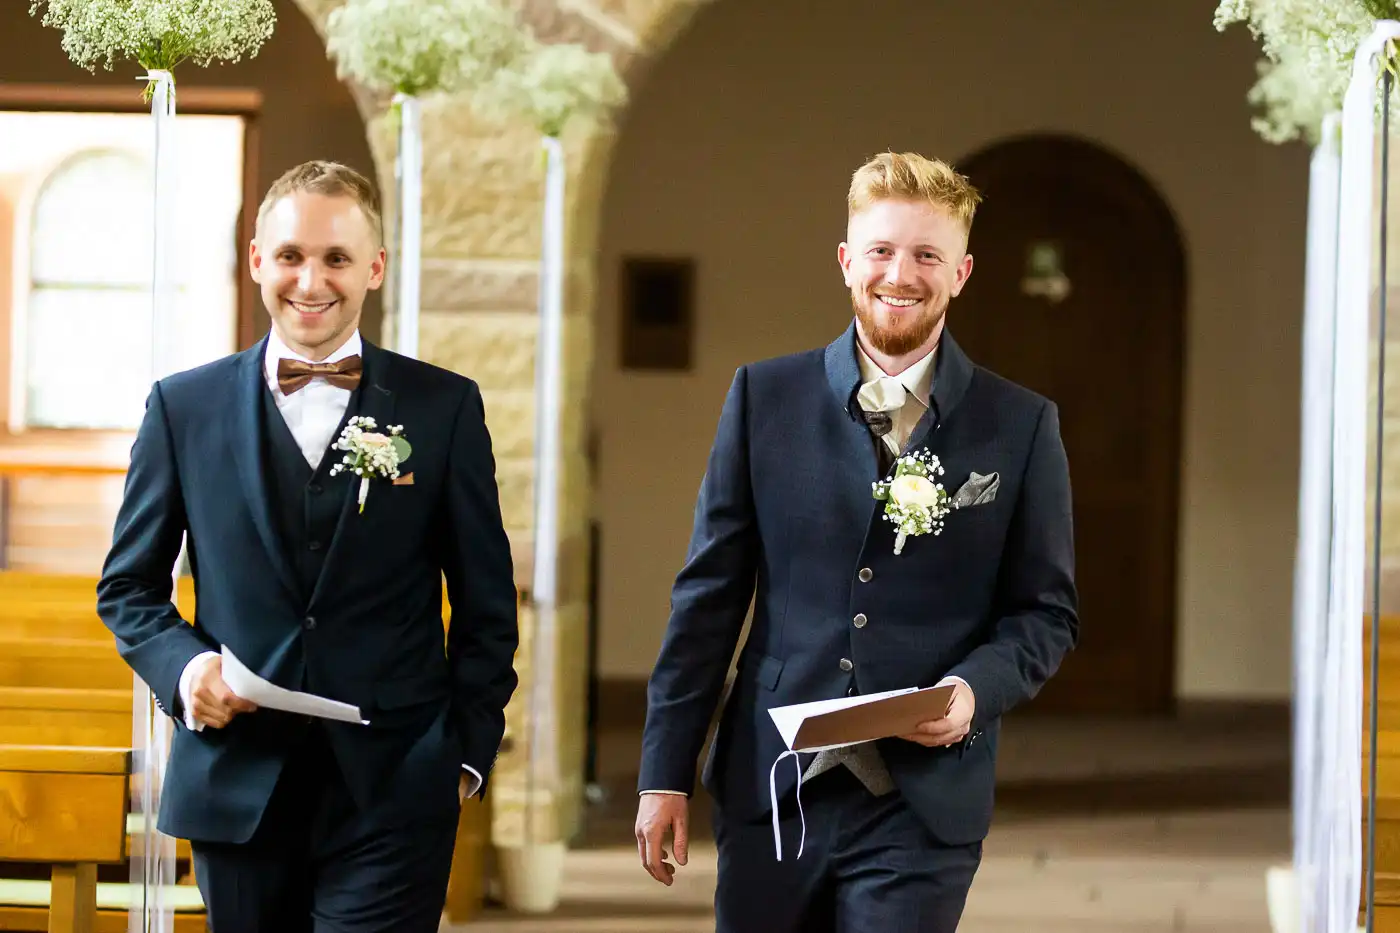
(246, 103)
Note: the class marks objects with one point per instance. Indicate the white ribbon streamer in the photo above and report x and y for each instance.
(153, 864)
(1312, 813)
(773, 801)
(411, 222)
(542, 749)
(1332, 873)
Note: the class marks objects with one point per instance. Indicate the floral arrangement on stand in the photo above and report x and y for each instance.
(551, 87)
(414, 49)
(159, 36)
(1308, 48)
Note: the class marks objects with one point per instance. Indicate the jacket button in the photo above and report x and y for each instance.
(315, 545)
(860, 620)
(309, 623)
(865, 574)
(315, 489)
(846, 664)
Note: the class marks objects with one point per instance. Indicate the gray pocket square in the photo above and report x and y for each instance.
(978, 490)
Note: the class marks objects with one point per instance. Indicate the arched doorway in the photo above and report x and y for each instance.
(1078, 292)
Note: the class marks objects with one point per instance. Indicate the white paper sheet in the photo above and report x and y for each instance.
(250, 686)
(789, 719)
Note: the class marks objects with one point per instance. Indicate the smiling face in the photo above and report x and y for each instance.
(903, 261)
(315, 257)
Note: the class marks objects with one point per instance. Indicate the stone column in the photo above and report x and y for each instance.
(482, 202)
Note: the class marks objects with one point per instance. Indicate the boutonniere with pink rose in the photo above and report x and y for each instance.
(914, 499)
(371, 454)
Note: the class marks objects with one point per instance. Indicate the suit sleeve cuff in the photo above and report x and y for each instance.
(473, 780)
(186, 679)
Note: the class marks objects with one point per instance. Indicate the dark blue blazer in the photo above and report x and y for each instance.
(369, 631)
(785, 517)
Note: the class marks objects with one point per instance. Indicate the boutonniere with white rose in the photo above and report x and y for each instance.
(914, 500)
(370, 454)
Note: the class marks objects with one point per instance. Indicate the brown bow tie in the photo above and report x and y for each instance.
(293, 374)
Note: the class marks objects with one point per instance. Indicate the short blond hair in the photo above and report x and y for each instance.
(333, 180)
(908, 176)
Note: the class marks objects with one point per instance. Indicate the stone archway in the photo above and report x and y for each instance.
(483, 198)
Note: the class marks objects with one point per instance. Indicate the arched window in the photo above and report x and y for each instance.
(87, 321)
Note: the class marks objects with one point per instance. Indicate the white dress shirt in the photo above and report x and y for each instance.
(915, 383)
(313, 414)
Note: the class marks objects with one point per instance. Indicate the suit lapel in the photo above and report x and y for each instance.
(249, 455)
(843, 380)
(376, 401)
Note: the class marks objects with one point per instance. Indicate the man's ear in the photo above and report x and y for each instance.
(377, 268)
(964, 272)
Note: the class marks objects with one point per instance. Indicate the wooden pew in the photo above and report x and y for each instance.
(1387, 796)
(65, 807)
(68, 807)
(60, 677)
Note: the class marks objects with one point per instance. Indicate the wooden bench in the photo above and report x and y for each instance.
(67, 807)
(62, 682)
(1387, 918)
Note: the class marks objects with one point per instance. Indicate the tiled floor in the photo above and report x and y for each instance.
(1104, 827)
(1188, 873)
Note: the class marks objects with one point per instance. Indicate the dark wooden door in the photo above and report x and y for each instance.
(1077, 292)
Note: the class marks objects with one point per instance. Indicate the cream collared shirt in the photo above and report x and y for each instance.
(917, 381)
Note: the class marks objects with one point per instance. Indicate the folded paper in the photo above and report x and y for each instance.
(828, 724)
(250, 686)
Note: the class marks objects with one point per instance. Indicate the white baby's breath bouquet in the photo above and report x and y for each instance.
(553, 84)
(370, 454)
(914, 499)
(1309, 47)
(419, 47)
(159, 34)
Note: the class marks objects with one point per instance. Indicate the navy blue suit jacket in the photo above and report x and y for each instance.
(785, 517)
(369, 633)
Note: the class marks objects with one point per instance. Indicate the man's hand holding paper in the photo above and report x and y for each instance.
(952, 727)
(212, 700)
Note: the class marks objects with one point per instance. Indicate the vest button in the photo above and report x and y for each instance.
(865, 574)
(860, 620)
(315, 545)
(846, 664)
(309, 623)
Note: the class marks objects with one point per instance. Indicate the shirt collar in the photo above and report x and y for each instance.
(917, 379)
(277, 349)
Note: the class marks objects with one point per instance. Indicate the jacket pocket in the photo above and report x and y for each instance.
(764, 668)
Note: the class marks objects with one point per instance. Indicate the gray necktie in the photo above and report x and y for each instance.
(864, 760)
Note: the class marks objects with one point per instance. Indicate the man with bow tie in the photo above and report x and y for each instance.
(299, 823)
(885, 836)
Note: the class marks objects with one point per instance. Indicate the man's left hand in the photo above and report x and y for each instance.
(953, 727)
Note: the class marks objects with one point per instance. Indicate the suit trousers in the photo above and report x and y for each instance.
(869, 866)
(319, 864)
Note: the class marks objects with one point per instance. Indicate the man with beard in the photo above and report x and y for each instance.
(886, 835)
